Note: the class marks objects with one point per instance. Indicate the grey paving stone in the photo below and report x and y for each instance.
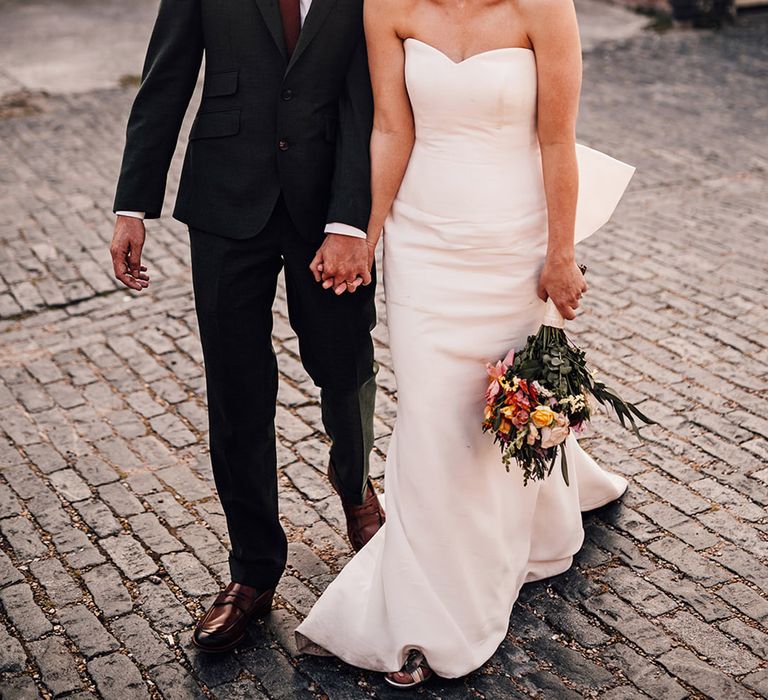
(574, 624)
(744, 565)
(8, 572)
(676, 494)
(189, 574)
(204, 544)
(687, 561)
(163, 609)
(23, 480)
(68, 484)
(745, 599)
(120, 500)
(129, 556)
(153, 534)
(309, 483)
(282, 624)
(59, 586)
(636, 590)
(85, 630)
(12, 656)
(276, 674)
(57, 665)
(45, 457)
(707, 641)
(47, 511)
(176, 683)
(752, 637)
(117, 677)
(9, 504)
(581, 671)
(757, 681)
(146, 646)
(693, 594)
(296, 593)
(211, 669)
(19, 688)
(23, 538)
(23, 611)
(643, 673)
(96, 471)
(244, 689)
(622, 617)
(108, 591)
(98, 517)
(181, 479)
(76, 548)
(700, 675)
(169, 509)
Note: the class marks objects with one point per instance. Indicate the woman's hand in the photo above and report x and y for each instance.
(564, 283)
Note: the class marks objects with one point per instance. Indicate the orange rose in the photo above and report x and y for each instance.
(542, 416)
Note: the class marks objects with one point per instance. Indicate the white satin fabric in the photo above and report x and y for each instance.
(462, 251)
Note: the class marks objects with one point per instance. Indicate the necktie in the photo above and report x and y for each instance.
(291, 14)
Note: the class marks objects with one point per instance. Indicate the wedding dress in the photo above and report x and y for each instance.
(463, 247)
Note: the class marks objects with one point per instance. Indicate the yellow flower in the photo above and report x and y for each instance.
(542, 416)
(508, 411)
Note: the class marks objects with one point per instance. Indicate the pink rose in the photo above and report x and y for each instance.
(492, 391)
(553, 436)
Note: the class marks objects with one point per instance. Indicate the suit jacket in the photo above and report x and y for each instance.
(266, 124)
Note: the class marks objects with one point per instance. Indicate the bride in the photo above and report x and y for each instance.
(475, 185)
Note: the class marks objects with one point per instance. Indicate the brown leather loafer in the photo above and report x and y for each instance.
(223, 627)
(363, 519)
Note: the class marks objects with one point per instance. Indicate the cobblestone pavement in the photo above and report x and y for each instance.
(112, 540)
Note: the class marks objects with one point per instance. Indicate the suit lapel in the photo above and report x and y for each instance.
(270, 11)
(318, 11)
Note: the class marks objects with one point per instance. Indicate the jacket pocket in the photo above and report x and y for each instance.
(209, 125)
(220, 84)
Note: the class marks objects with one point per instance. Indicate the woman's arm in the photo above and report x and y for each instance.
(393, 130)
(554, 33)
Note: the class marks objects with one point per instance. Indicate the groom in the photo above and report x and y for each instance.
(276, 172)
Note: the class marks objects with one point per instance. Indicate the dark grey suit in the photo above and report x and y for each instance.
(278, 149)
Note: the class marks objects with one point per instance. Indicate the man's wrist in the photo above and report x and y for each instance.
(344, 230)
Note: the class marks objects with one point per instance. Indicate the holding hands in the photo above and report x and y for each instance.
(343, 263)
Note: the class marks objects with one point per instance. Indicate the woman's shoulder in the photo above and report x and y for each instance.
(393, 11)
(543, 9)
(548, 20)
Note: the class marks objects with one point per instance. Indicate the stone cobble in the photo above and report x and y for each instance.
(111, 538)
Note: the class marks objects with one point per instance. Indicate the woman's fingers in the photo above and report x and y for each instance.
(316, 267)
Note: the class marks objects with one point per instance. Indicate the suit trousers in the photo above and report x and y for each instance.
(235, 282)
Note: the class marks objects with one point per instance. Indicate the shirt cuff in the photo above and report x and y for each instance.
(345, 230)
(134, 214)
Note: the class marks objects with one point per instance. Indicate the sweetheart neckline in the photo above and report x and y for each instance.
(468, 58)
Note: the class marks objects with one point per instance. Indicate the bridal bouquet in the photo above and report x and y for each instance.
(537, 396)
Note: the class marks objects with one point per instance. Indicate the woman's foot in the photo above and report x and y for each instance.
(415, 671)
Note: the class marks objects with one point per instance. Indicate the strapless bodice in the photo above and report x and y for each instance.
(476, 109)
(476, 155)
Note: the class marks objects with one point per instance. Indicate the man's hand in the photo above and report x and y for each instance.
(127, 242)
(342, 263)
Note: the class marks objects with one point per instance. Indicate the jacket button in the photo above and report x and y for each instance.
(287, 95)
(282, 144)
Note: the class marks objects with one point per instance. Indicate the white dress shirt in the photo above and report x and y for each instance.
(342, 229)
